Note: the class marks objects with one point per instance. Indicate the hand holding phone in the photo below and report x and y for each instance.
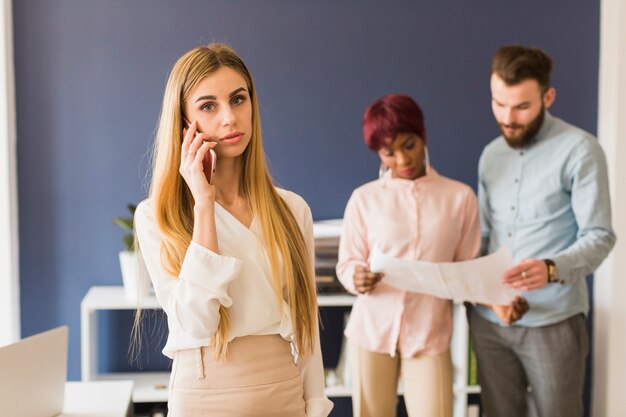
(210, 158)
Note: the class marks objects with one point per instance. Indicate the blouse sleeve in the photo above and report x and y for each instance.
(311, 366)
(353, 247)
(191, 300)
(469, 243)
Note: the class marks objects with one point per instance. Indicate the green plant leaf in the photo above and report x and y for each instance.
(126, 224)
(129, 242)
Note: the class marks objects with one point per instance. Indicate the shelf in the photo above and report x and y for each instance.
(338, 391)
(471, 389)
(338, 300)
(112, 298)
(149, 386)
(341, 391)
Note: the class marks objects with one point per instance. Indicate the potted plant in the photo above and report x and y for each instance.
(134, 273)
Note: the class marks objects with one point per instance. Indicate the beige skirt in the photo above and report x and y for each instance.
(257, 378)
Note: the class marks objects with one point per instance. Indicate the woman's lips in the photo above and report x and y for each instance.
(232, 138)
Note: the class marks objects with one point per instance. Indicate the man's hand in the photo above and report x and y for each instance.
(511, 313)
(365, 280)
(529, 274)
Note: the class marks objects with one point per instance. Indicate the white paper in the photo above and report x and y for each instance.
(478, 280)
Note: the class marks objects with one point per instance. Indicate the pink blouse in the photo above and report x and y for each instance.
(432, 218)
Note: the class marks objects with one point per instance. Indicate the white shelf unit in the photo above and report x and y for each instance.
(152, 386)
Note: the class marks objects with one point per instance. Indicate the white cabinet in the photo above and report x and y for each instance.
(149, 386)
(152, 386)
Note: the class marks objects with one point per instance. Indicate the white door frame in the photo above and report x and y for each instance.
(609, 338)
(9, 247)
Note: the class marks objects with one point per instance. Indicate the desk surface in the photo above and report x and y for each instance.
(98, 399)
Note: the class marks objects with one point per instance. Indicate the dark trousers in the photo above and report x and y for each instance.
(543, 364)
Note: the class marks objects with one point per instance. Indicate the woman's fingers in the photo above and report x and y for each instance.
(195, 145)
(364, 280)
(198, 156)
(188, 135)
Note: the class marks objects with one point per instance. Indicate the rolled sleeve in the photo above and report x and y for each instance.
(201, 263)
(591, 205)
(353, 246)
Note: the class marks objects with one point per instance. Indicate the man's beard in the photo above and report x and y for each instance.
(527, 134)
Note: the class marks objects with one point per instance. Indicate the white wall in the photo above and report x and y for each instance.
(609, 361)
(9, 260)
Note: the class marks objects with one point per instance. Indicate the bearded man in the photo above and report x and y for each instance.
(544, 193)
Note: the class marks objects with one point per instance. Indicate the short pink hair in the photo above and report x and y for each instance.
(389, 116)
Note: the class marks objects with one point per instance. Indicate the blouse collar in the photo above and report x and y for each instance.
(389, 181)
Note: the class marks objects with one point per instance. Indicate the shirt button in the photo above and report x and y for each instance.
(510, 234)
(513, 208)
(521, 153)
(516, 180)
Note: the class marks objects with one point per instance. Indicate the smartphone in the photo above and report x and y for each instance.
(209, 163)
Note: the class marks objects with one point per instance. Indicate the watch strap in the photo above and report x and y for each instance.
(552, 273)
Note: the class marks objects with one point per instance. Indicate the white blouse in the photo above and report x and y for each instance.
(240, 279)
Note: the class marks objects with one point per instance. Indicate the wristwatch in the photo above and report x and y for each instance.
(553, 275)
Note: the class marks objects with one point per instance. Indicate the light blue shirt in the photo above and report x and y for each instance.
(548, 200)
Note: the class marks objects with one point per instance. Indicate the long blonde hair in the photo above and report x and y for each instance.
(174, 202)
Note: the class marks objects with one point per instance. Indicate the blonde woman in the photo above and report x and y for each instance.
(231, 261)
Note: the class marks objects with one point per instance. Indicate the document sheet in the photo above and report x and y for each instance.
(477, 280)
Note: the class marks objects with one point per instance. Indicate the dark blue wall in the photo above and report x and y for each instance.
(90, 76)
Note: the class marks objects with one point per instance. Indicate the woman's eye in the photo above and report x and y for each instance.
(208, 106)
(409, 145)
(237, 100)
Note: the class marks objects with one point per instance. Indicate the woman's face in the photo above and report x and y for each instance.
(221, 105)
(404, 155)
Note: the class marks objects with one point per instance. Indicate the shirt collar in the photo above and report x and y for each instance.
(388, 181)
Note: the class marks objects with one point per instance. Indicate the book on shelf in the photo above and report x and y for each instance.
(327, 234)
(472, 365)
